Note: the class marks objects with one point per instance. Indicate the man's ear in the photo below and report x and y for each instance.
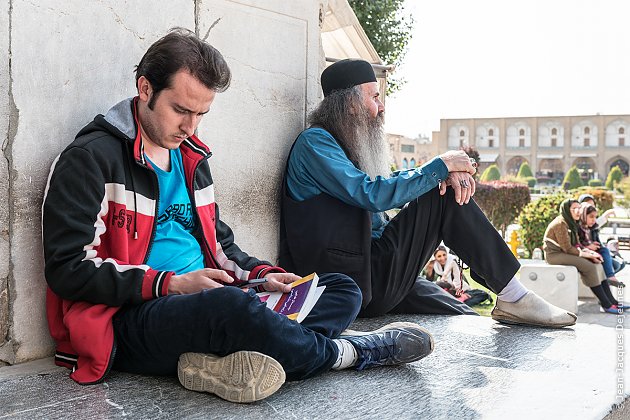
(145, 90)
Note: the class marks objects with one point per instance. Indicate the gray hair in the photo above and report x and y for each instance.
(343, 114)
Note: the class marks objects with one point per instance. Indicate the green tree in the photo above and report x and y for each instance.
(614, 177)
(388, 27)
(491, 173)
(524, 171)
(572, 179)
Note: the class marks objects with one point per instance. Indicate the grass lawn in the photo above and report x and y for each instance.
(484, 309)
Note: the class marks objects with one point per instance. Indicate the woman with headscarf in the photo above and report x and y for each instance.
(452, 279)
(589, 238)
(562, 247)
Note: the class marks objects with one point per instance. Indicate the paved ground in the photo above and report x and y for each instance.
(480, 369)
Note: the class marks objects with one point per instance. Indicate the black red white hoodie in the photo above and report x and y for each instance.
(98, 227)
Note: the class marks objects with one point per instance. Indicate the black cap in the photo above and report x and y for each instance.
(345, 74)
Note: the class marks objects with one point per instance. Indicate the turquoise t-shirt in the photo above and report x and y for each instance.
(174, 247)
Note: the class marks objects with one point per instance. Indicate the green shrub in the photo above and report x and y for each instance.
(491, 173)
(603, 199)
(501, 201)
(514, 179)
(572, 179)
(530, 180)
(614, 177)
(595, 182)
(624, 188)
(536, 216)
(524, 171)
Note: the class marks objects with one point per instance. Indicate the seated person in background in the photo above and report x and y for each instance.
(619, 263)
(452, 278)
(601, 220)
(337, 186)
(428, 272)
(561, 246)
(589, 238)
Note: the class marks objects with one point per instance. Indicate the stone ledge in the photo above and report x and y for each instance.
(480, 369)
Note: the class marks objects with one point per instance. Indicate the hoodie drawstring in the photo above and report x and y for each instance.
(133, 188)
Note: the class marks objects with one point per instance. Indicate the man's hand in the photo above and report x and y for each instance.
(457, 161)
(279, 282)
(196, 281)
(462, 183)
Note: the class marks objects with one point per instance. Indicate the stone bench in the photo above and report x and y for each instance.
(558, 284)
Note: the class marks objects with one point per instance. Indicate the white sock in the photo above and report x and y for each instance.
(513, 292)
(347, 355)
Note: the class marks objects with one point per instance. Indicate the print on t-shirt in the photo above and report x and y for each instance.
(179, 212)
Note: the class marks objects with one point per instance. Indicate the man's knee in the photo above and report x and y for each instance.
(225, 301)
(342, 283)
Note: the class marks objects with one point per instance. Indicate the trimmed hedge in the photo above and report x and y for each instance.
(530, 180)
(502, 201)
(572, 179)
(614, 177)
(491, 173)
(595, 182)
(525, 171)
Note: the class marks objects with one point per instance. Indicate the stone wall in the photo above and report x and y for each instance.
(63, 62)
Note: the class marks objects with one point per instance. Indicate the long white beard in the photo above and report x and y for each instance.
(371, 151)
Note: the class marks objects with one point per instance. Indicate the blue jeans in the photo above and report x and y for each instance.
(608, 261)
(151, 336)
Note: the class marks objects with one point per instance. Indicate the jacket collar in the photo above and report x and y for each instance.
(124, 118)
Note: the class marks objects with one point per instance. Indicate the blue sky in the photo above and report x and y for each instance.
(502, 58)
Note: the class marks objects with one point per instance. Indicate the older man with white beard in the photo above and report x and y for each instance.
(337, 187)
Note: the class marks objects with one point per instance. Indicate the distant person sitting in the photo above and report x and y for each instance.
(603, 219)
(619, 263)
(452, 279)
(589, 238)
(562, 247)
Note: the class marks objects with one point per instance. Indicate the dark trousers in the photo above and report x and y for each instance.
(150, 337)
(408, 242)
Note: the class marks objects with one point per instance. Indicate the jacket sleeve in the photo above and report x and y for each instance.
(318, 164)
(77, 264)
(235, 262)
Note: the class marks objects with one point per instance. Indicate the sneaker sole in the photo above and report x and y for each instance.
(506, 318)
(240, 377)
(391, 326)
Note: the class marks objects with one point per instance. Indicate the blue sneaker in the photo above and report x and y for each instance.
(613, 310)
(623, 305)
(391, 346)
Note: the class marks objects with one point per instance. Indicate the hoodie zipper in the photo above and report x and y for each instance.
(156, 188)
(194, 206)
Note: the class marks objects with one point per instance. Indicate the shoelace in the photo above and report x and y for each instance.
(377, 350)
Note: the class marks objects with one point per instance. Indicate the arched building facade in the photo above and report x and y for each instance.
(550, 145)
